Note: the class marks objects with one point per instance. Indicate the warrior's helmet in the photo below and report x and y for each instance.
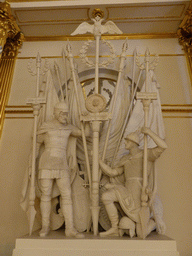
(61, 106)
(134, 136)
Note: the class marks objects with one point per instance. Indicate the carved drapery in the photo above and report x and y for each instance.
(10, 40)
(185, 37)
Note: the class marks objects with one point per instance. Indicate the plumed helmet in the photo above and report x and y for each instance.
(61, 106)
(134, 136)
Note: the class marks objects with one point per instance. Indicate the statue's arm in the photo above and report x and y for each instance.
(77, 132)
(40, 140)
(109, 171)
(161, 144)
(87, 130)
(40, 136)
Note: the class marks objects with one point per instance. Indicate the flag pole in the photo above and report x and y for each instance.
(121, 66)
(36, 104)
(70, 57)
(146, 98)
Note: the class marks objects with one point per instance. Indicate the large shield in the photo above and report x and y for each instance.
(81, 204)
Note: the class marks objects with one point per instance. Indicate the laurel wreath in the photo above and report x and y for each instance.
(32, 70)
(104, 89)
(89, 63)
(152, 64)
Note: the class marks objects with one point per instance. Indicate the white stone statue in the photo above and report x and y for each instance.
(110, 121)
(129, 194)
(53, 166)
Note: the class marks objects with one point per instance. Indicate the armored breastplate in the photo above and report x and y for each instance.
(57, 139)
(54, 155)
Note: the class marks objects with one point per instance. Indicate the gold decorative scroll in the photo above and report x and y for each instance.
(10, 40)
(185, 37)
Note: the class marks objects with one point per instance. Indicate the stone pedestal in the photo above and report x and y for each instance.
(56, 244)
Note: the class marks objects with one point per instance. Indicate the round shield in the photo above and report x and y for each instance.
(95, 103)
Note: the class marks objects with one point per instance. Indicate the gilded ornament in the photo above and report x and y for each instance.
(98, 12)
(185, 37)
(10, 34)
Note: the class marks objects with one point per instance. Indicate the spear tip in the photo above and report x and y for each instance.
(31, 217)
(125, 45)
(147, 53)
(63, 53)
(56, 65)
(68, 48)
(135, 52)
(38, 58)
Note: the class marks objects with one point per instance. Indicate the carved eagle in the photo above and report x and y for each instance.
(109, 27)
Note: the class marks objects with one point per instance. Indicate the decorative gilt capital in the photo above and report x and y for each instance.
(11, 37)
(185, 37)
(185, 29)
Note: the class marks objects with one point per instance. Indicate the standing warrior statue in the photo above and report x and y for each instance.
(129, 194)
(53, 166)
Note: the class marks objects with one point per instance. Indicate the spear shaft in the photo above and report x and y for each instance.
(59, 80)
(146, 98)
(65, 77)
(70, 56)
(97, 38)
(146, 104)
(36, 106)
(121, 66)
(126, 120)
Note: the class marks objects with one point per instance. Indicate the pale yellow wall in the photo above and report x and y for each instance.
(174, 166)
(175, 176)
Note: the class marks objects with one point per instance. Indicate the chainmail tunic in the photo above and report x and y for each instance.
(53, 161)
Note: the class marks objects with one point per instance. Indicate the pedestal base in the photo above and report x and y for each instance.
(56, 244)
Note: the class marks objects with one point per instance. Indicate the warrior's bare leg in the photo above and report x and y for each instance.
(108, 199)
(45, 205)
(64, 186)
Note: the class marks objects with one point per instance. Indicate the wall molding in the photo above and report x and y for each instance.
(168, 110)
(104, 37)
